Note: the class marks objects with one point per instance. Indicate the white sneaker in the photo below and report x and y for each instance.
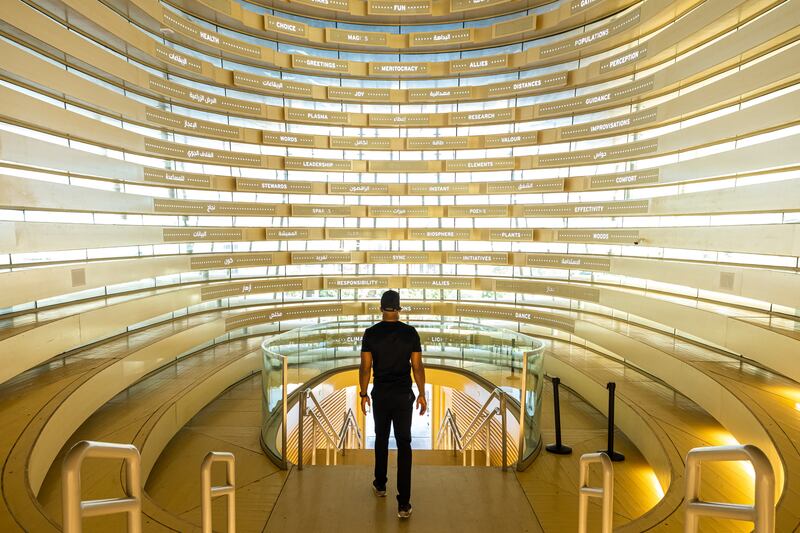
(404, 511)
(378, 492)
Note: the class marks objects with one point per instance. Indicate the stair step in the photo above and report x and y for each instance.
(420, 457)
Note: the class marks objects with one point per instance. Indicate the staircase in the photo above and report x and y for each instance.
(420, 457)
(319, 442)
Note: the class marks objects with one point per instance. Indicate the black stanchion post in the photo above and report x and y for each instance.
(511, 355)
(558, 447)
(614, 456)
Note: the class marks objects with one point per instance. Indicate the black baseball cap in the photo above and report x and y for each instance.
(390, 301)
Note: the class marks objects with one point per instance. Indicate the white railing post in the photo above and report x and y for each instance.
(453, 438)
(504, 430)
(228, 489)
(74, 509)
(343, 441)
(328, 453)
(313, 442)
(488, 445)
(349, 434)
(523, 387)
(606, 492)
(302, 408)
(761, 513)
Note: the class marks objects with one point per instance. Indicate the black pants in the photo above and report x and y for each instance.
(393, 407)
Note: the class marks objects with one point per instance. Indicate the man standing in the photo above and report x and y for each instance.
(393, 348)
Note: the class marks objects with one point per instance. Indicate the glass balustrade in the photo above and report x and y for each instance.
(292, 360)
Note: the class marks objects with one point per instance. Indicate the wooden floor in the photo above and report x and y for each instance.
(687, 425)
(769, 396)
(28, 400)
(232, 423)
(445, 498)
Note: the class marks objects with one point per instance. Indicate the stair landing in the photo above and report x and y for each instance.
(445, 498)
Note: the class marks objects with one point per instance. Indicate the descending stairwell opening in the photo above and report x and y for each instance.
(421, 426)
(310, 403)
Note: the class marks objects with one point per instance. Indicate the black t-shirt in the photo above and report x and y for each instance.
(391, 345)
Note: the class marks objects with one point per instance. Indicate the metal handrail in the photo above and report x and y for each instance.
(349, 427)
(606, 492)
(74, 509)
(330, 441)
(449, 423)
(207, 492)
(481, 420)
(467, 444)
(761, 513)
(334, 440)
(324, 421)
(495, 393)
